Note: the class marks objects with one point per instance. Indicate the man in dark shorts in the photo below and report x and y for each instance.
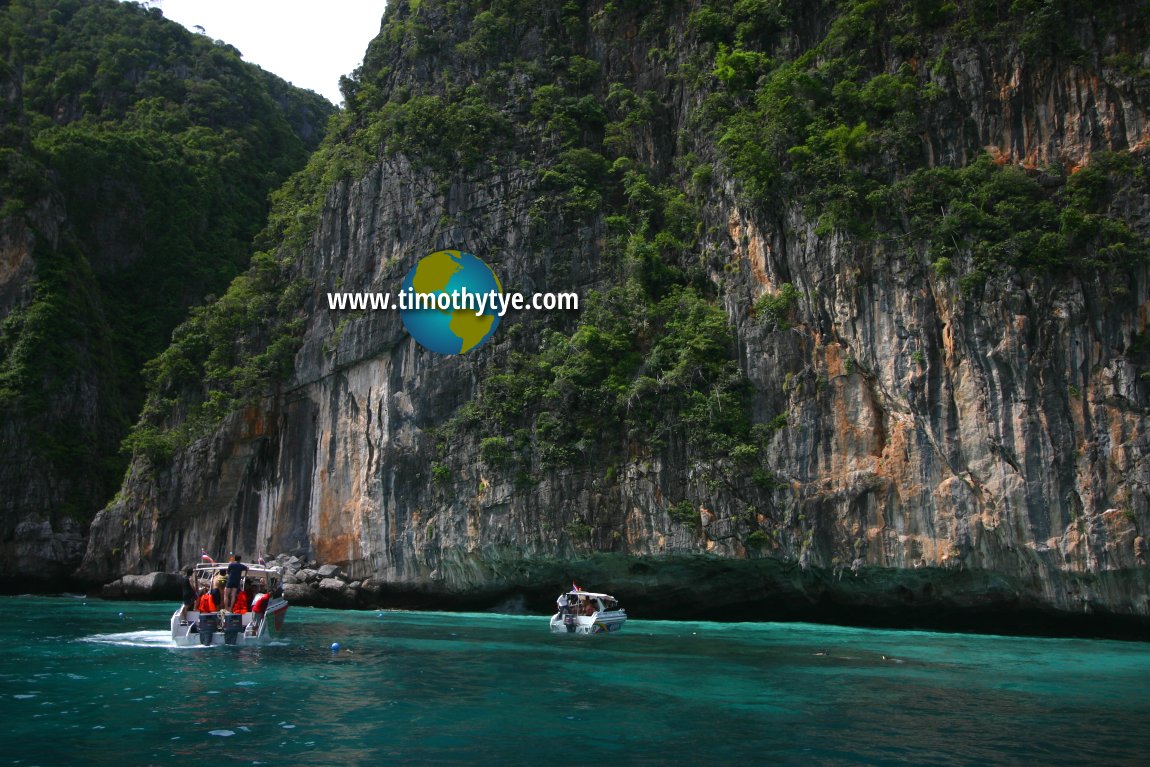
(188, 595)
(236, 570)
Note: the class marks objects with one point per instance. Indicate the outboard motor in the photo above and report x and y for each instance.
(207, 626)
(233, 625)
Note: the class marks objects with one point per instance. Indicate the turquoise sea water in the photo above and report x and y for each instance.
(79, 684)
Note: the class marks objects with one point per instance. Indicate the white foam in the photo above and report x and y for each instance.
(133, 639)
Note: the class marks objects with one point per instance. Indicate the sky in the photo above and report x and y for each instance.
(309, 43)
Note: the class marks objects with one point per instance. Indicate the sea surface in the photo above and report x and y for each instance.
(91, 682)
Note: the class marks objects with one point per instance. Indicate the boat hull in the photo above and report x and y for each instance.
(235, 629)
(599, 623)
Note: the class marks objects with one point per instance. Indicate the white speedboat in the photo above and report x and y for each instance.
(263, 620)
(587, 612)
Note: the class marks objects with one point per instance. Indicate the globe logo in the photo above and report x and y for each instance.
(437, 312)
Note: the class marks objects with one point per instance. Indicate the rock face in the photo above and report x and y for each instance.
(150, 586)
(102, 246)
(36, 541)
(941, 453)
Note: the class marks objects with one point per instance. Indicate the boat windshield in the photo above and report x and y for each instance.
(261, 577)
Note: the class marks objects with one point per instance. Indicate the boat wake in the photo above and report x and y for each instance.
(133, 639)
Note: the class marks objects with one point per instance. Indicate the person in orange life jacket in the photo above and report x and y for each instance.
(206, 604)
(240, 603)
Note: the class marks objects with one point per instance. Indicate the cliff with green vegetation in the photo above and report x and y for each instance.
(135, 163)
(863, 328)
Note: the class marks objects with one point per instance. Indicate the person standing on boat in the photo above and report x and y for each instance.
(188, 595)
(217, 591)
(236, 570)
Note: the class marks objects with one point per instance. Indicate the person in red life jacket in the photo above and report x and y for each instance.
(206, 603)
(259, 606)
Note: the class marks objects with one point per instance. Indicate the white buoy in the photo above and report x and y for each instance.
(121, 616)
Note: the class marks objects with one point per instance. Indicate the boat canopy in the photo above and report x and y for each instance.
(591, 595)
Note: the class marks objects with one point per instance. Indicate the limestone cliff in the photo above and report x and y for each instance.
(942, 410)
(135, 163)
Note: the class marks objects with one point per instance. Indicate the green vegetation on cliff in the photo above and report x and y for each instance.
(228, 353)
(840, 127)
(139, 158)
(648, 366)
(828, 111)
(652, 357)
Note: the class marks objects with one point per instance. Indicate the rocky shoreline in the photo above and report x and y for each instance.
(758, 590)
